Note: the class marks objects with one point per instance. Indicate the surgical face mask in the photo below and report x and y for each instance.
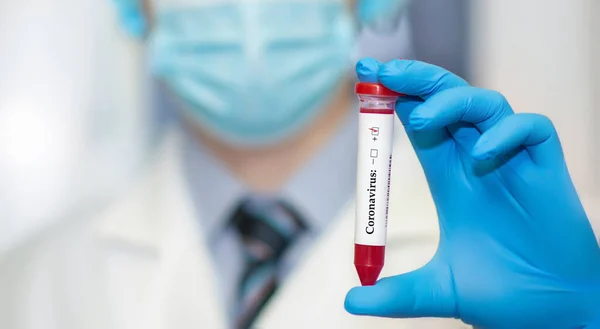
(253, 72)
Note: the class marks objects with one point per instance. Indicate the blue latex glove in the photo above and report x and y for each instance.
(131, 17)
(516, 247)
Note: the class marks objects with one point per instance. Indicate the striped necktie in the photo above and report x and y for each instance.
(267, 229)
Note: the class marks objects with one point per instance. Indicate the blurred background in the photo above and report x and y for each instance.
(76, 126)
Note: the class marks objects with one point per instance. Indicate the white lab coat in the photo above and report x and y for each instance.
(142, 264)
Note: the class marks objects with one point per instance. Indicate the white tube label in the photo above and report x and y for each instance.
(375, 141)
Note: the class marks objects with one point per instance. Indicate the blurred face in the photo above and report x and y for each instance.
(251, 73)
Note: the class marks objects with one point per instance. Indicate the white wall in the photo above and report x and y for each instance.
(71, 121)
(595, 36)
(540, 55)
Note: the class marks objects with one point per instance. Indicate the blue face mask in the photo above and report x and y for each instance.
(253, 73)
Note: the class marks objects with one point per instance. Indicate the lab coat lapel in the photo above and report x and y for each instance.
(187, 295)
(167, 264)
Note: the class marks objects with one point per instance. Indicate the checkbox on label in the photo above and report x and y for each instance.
(374, 153)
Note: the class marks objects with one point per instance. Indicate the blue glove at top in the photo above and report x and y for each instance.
(131, 16)
(516, 248)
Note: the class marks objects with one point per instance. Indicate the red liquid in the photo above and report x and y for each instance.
(377, 111)
(368, 261)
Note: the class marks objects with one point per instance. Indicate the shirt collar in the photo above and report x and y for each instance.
(327, 181)
(214, 189)
(328, 175)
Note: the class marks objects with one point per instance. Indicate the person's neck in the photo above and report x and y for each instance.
(266, 170)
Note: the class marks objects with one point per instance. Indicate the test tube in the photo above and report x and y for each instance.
(375, 141)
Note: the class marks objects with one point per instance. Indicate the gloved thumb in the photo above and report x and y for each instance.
(426, 292)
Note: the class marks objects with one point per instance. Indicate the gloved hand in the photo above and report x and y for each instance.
(516, 248)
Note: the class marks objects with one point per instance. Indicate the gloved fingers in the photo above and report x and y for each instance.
(534, 132)
(417, 78)
(426, 292)
(429, 146)
(465, 135)
(427, 82)
(367, 70)
(480, 107)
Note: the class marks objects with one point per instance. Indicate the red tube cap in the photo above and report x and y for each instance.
(372, 88)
